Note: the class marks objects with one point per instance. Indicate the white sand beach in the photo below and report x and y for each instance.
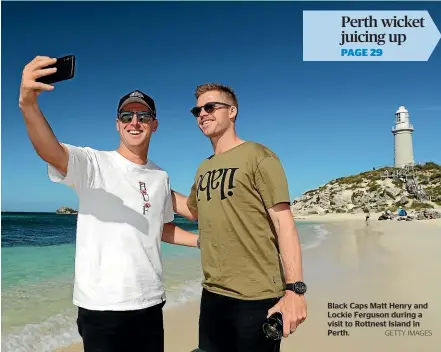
(389, 262)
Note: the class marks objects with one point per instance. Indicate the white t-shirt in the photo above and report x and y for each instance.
(122, 210)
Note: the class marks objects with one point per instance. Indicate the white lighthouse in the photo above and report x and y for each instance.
(402, 131)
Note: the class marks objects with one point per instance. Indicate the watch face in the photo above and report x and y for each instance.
(300, 287)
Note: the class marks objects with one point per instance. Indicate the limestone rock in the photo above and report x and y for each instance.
(403, 201)
(373, 191)
(66, 210)
(427, 214)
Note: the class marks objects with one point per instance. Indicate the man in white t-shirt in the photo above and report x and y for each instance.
(125, 210)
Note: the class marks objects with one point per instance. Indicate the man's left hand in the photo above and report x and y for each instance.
(293, 309)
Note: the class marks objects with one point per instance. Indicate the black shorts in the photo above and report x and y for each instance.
(122, 331)
(232, 325)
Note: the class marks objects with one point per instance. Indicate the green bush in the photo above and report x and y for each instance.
(420, 205)
(397, 183)
(373, 187)
(434, 191)
(429, 166)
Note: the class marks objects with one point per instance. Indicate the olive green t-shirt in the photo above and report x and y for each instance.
(231, 193)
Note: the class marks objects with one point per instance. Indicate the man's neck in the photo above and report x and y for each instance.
(225, 142)
(135, 156)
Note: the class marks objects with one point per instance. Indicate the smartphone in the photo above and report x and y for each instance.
(65, 70)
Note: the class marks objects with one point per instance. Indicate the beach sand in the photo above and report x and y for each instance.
(387, 262)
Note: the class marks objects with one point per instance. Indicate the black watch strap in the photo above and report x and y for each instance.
(298, 287)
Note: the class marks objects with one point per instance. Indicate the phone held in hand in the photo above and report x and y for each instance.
(65, 70)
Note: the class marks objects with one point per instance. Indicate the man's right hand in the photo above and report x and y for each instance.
(30, 89)
(40, 133)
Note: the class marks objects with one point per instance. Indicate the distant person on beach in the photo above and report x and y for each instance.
(125, 209)
(247, 232)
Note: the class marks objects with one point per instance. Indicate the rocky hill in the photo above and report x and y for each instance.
(417, 187)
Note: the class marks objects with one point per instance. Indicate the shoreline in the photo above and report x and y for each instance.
(357, 263)
(337, 218)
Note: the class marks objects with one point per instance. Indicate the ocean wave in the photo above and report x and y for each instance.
(321, 234)
(57, 331)
(61, 330)
(182, 293)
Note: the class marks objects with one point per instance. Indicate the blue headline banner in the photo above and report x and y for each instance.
(368, 36)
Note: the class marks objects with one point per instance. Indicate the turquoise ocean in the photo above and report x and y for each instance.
(37, 275)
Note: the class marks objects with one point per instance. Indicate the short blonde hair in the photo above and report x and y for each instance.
(227, 91)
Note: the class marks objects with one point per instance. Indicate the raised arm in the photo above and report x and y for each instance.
(40, 133)
(180, 206)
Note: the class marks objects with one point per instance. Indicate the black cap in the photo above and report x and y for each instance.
(137, 97)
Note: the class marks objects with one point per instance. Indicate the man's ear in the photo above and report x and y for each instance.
(233, 113)
(155, 125)
(117, 125)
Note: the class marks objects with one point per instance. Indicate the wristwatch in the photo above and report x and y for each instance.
(298, 287)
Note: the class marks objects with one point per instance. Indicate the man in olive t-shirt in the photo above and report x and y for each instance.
(250, 252)
(239, 248)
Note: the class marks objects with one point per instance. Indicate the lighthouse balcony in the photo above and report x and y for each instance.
(403, 127)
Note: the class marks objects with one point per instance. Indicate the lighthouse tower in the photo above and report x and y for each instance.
(402, 131)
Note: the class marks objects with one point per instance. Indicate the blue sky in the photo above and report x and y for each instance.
(324, 120)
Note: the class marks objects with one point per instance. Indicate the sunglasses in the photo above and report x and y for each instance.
(208, 107)
(142, 116)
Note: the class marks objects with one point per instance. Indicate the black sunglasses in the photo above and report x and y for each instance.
(208, 107)
(142, 116)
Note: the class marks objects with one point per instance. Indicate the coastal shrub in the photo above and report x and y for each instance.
(397, 183)
(311, 192)
(436, 191)
(350, 179)
(436, 176)
(420, 205)
(424, 181)
(373, 187)
(430, 165)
